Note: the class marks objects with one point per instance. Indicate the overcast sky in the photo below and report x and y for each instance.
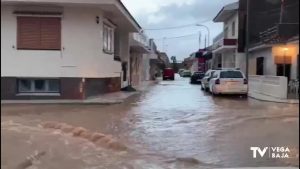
(152, 14)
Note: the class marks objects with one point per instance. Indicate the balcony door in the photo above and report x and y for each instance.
(284, 70)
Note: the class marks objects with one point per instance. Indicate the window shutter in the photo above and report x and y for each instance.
(28, 33)
(39, 33)
(51, 33)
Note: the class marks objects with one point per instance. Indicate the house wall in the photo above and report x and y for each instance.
(228, 24)
(124, 55)
(269, 54)
(146, 67)
(240, 61)
(81, 55)
(228, 59)
(293, 51)
(269, 66)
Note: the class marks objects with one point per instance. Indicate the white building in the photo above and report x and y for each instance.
(139, 50)
(64, 49)
(274, 70)
(225, 45)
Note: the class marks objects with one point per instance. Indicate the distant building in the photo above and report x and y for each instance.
(226, 53)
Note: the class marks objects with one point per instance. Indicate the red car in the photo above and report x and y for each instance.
(168, 74)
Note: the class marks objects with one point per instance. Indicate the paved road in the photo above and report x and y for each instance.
(173, 125)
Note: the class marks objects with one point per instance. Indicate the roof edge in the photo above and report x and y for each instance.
(124, 7)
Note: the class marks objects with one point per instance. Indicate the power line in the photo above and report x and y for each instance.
(165, 38)
(176, 27)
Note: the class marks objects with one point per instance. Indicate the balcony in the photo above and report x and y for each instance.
(139, 43)
(222, 44)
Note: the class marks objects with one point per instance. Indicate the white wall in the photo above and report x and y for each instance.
(82, 55)
(228, 24)
(269, 54)
(228, 59)
(269, 65)
(274, 86)
(146, 67)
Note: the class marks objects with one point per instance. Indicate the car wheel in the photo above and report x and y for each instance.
(164, 78)
(172, 78)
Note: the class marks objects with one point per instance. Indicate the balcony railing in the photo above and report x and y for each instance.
(220, 41)
(141, 39)
(218, 37)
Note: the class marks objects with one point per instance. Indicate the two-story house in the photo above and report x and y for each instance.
(225, 45)
(64, 49)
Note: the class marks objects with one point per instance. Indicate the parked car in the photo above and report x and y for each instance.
(168, 73)
(196, 77)
(180, 71)
(186, 73)
(205, 80)
(228, 82)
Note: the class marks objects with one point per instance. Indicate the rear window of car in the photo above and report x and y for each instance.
(231, 74)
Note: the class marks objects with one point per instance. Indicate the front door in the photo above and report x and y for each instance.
(260, 66)
(284, 70)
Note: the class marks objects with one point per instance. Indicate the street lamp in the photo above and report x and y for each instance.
(207, 32)
(284, 53)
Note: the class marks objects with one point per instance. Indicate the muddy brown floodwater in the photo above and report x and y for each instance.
(173, 125)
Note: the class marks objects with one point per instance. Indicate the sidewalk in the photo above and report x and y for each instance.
(105, 99)
(263, 97)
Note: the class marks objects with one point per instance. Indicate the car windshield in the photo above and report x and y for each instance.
(231, 74)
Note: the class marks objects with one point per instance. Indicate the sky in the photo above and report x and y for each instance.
(156, 14)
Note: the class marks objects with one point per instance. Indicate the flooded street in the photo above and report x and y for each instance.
(173, 125)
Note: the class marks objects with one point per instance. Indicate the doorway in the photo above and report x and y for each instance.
(260, 65)
(284, 70)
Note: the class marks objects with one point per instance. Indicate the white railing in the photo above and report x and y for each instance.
(218, 37)
(274, 86)
(218, 41)
(140, 38)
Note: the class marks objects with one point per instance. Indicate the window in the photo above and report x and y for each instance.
(39, 33)
(231, 74)
(38, 86)
(226, 32)
(108, 39)
(233, 29)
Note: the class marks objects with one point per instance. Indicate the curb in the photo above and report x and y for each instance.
(251, 95)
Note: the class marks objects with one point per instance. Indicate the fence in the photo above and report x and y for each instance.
(275, 86)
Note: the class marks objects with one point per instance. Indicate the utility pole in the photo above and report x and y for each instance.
(281, 11)
(247, 38)
(199, 39)
(205, 43)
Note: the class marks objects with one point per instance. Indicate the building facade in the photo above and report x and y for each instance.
(225, 45)
(64, 49)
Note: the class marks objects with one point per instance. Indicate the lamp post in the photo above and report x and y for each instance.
(199, 39)
(208, 31)
(284, 55)
(247, 38)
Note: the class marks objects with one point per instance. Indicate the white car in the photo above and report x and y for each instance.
(205, 80)
(228, 82)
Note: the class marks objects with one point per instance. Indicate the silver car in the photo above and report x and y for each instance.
(205, 80)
